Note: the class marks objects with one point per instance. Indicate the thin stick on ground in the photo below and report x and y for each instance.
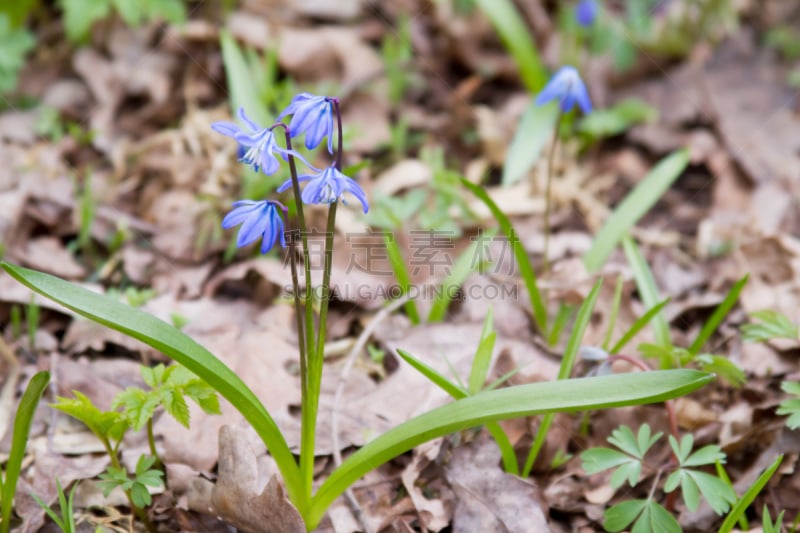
(350, 361)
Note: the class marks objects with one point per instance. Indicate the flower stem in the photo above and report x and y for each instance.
(151, 441)
(547, 198)
(305, 336)
(317, 358)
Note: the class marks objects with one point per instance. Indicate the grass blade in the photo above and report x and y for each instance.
(718, 316)
(648, 291)
(395, 257)
(567, 363)
(634, 206)
(507, 21)
(22, 427)
(178, 346)
(483, 356)
(463, 267)
(747, 498)
(569, 395)
(637, 326)
(612, 317)
(506, 448)
(520, 255)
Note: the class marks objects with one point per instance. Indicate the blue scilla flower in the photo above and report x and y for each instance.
(567, 87)
(257, 148)
(312, 115)
(259, 220)
(327, 187)
(586, 12)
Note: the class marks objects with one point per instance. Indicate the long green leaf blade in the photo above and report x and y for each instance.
(718, 316)
(512, 402)
(520, 255)
(637, 326)
(747, 498)
(564, 371)
(646, 284)
(22, 427)
(534, 130)
(507, 21)
(634, 206)
(398, 264)
(178, 346)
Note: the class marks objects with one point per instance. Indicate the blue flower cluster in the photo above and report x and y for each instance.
(586, 12)
(567, 87)
(313, 116)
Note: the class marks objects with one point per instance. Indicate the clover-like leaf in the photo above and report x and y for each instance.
(693, 483)
(648, 515)
(769, 325)
(791, 406)
(628, 464)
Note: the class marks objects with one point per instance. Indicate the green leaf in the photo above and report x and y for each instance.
(637, 326)
(773, 325)
(655, 518)
(707, 455)
(616, 119)
(175, 404)
(107, 425)
(19, 440)
(241, 86)
(619, 516)
(203, 395)
(138, 406)
(717, 493)
(506, 448)
(512, 402)
(723, 367)
(598, 459)
(633, 207)
(791, 407)
(747, 498)
(15, 44)
(463, 267)
(683, 449)
(767, 525)
(520, 255)
(648, 291)
(483, 356)
(564, 370)
(144, 464)
(534, 130)
(507, 21)
(140, 495)
(395, 257)
(718, 316)
(80, 15)
(177, 345)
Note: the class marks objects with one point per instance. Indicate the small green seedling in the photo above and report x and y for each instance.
(144, 476)
(134, 408)
(66, 521)
(628, 461)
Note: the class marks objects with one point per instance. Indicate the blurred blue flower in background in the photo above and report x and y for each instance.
(327, 187)
(586, 12)
(567, 87)
(312, 115)
(259, 220)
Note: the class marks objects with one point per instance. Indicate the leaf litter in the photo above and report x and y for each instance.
(158, 175)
